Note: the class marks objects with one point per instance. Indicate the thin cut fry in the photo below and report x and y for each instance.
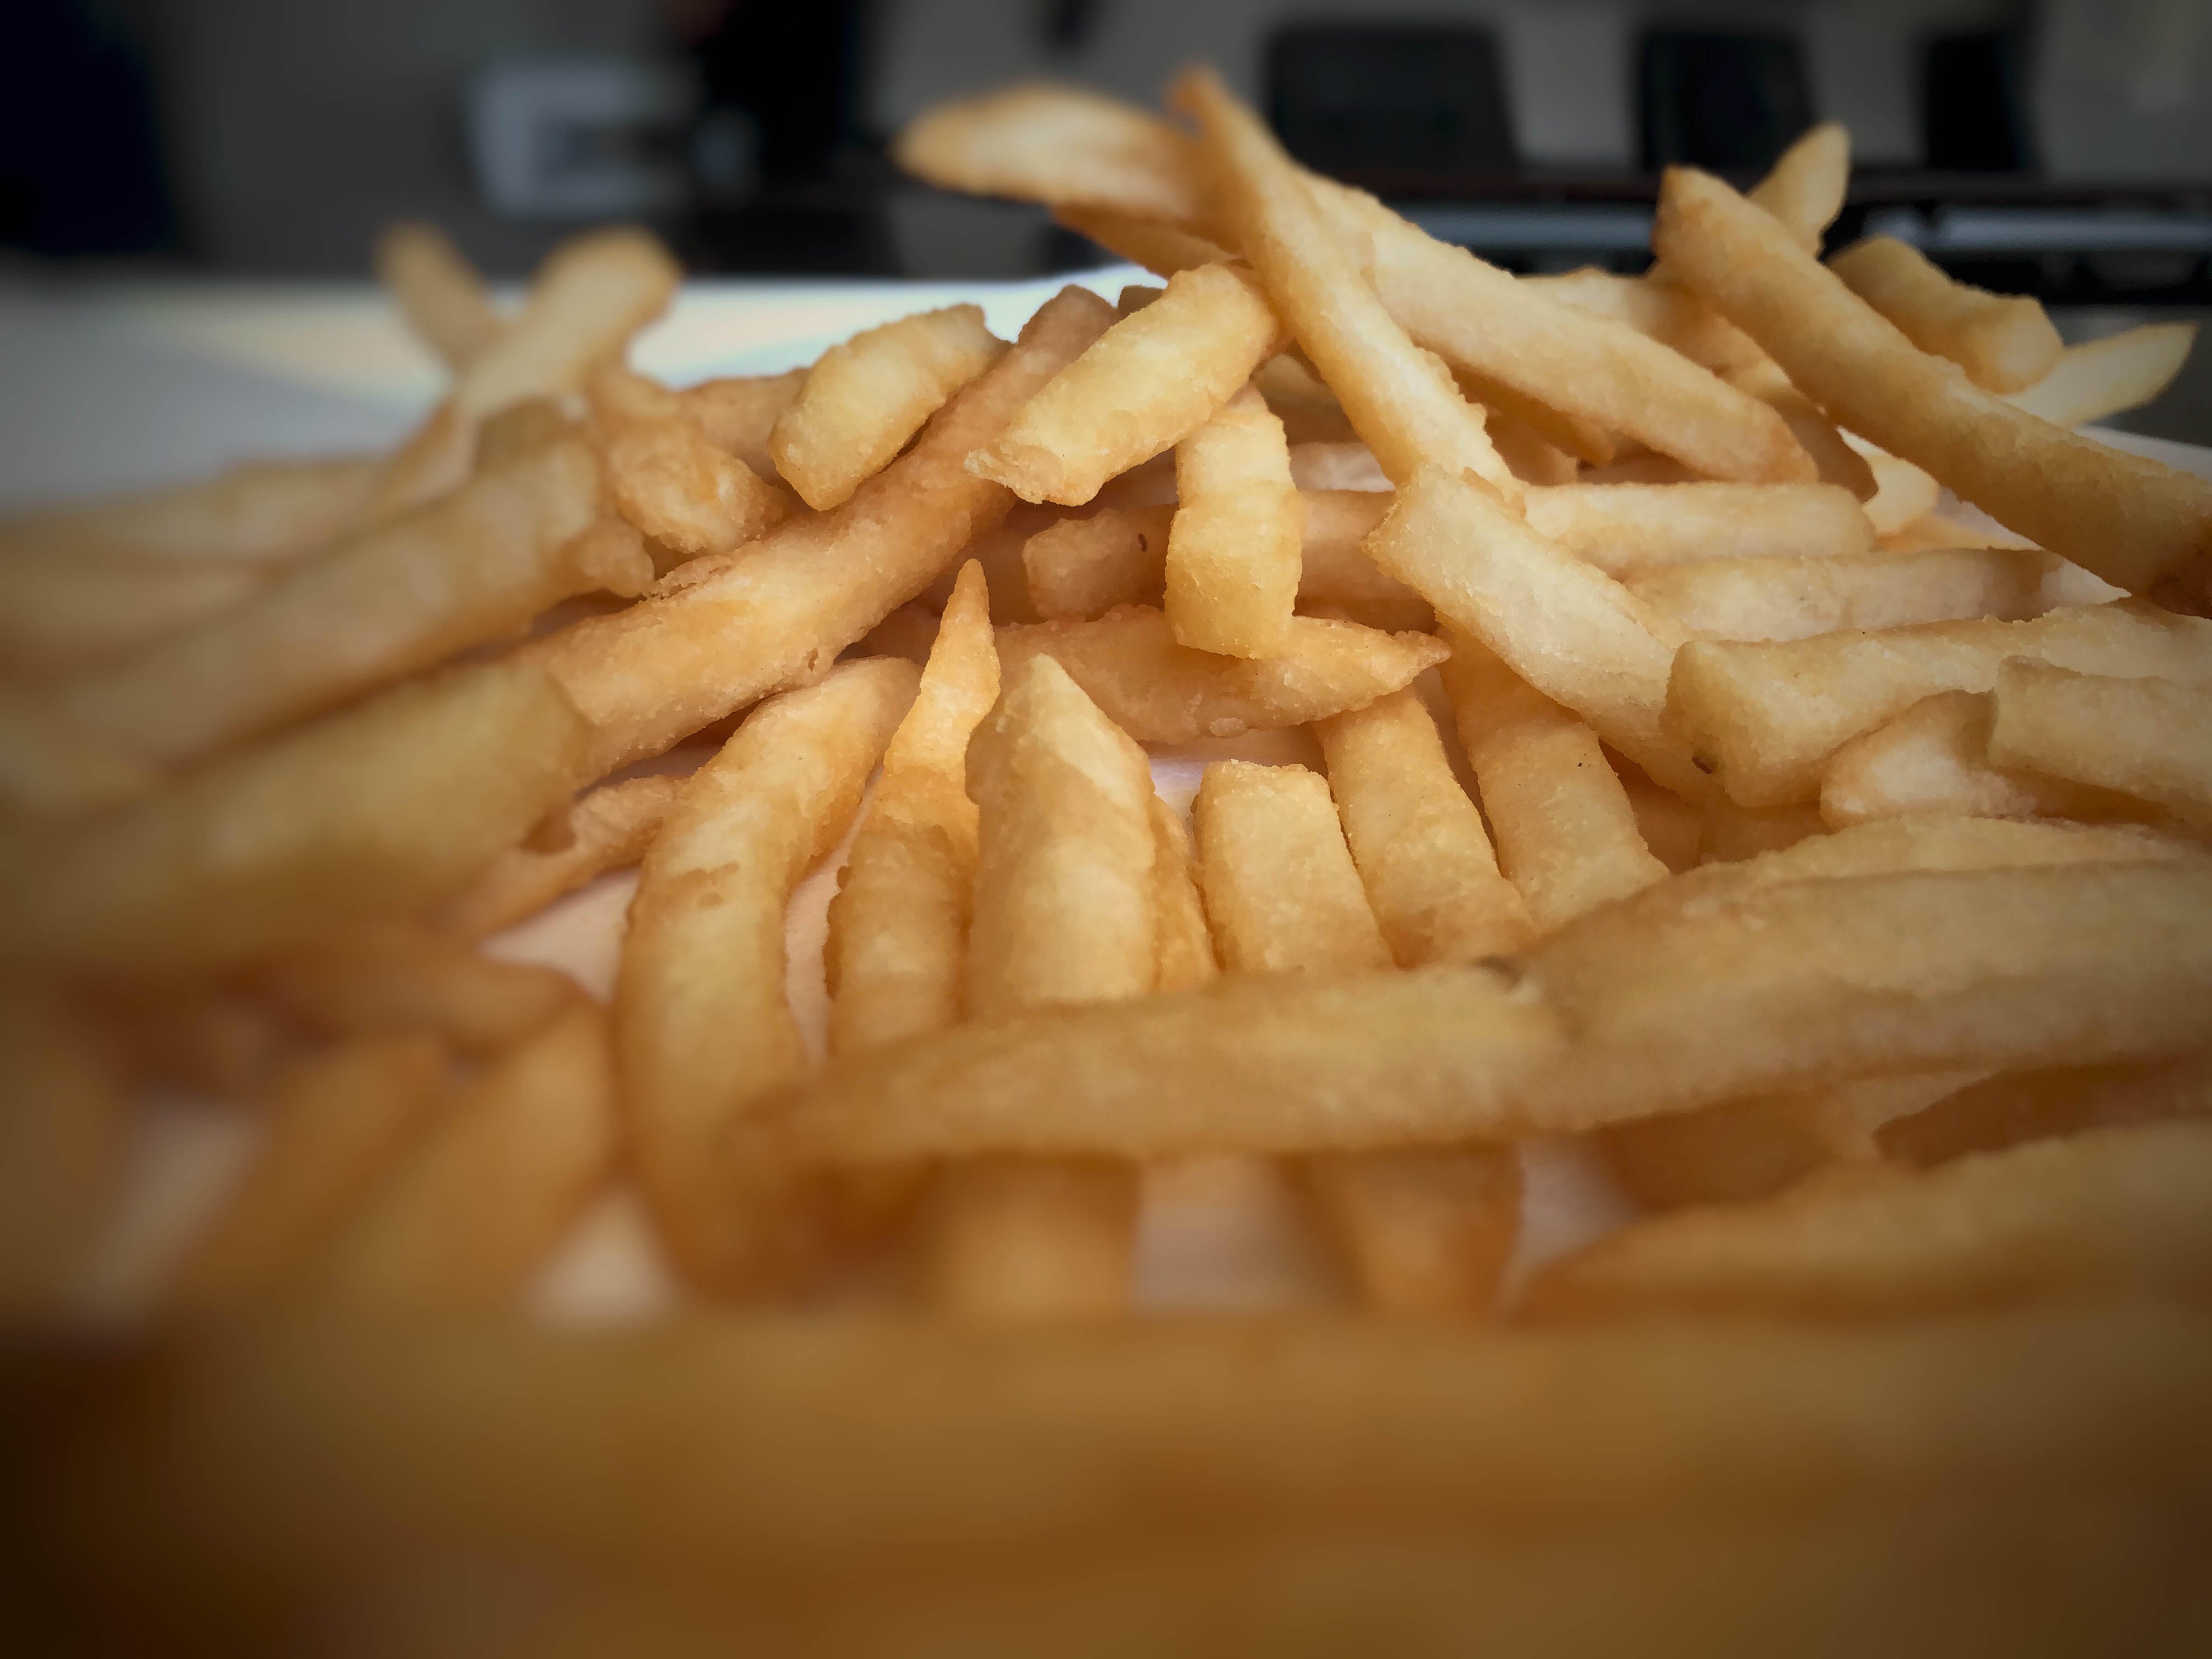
(1418, 840)
(1233, 548)
(1281, 889)
(2149, 739)
(665, 476)
(62, 1093)
(1626, 529)
(65, 612)
(1664, 311)
(1185, 958)
(1427, 1232)
(1158, 691)
(2104, 377)
(737, 414)
(1728, 834)
(1793, 599)
(2132, 521)
(1150, 381)
(1934, 758)
(473, 1205)
(1834, 461)
(437, 290)
(2004, 342)
(865, 398)
(261, 510)
(2014, 1107)
(702, 1024)
(1767, 718)
(334, 1124)
(1804, 189)
(603, 830)
(727, 634)
(1741, 1150)
(2122, 1209)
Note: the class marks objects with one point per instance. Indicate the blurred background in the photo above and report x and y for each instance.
(2062, 148)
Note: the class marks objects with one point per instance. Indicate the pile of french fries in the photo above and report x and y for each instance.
(1828, 856)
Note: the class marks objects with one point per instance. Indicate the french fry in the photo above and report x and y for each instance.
(1934, 758)
(64, 1090)
(1334, 571)
(379, 809)
(898, 926)
(2149, 739)
(2136, 523)
(1308, 410)
(215, 1040)
(864, 398)
(2014, 1107)
(1663, 311)
(333, 1124)
(1670, 826)
(1281, 889)
(1804, 189)
(2104, 377)
(1784, 985)
(1728, 834)
(1739, 1150)
(1065, 914)
(1233, 548)
(394, 976)
(1627, 529)
(1834, 461)
(1079, 568)
(1566, 627)
(1148, 382)
(665, 475)
(1162, 249)
(1419, 841)
(2122, 1209)
(1567, 835)
(1767, 719)
(1793, 599)
(265, 511)
(1337, 466)
(1903, 495)
(402, 597)
(63, 612)
(738, 413)
(702, 1024)
(1427, 1232)
(1185, 958)
(735, 631)
(605, 830)
(1531, 458)
(437, 291)
(1401, 400)
(2004, 342)
(474, 1205)
(50, 769)
(1060, 145)
(1158, 691)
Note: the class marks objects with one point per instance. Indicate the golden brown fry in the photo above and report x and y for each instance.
(1308, 410)
(2119, 1210)
(898, 926)
(1804, 189)
(2149, 739)
(1281, 889)
(334, 1124)
(1160, 248)
(1531, 458)
(436, 290)
(402, 597)
(1400, 399)
(1834, 461)
(1564, 626)
(1150, 381)
(1418, 840)
(1158, 691)
(2014, 1107)
(1427, 1233)
(1079, 568)
(1903, 494)
(50, 769)
(2103, 377)
(474, 1205)
(395, 976)
(865, 398)
(259, 510)
(1934, 758)
(2130, 520)
(1627, 529)
(1664, 311)
(1741, 1150)
(1233, 548)
(379, 809)
(1057, 144)
(1729, 834)
(1567, 835)
(2004, 342)
(1336, 467)
(1793, 599)
(737, 414)
(664, 474)
(725, 634)
(214, 1040)
(702, 1026)
(65, 612)
(1768, 718)
(602, 830)
(63, 1089)
(1185, 958)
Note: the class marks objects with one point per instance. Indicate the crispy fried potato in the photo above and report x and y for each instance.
(1427, 1233)
(263, 511)
(602, 830)
(1663, 311)
(1834, 461)
(2104, 377)
(1186, 956)
(1627, 529)
(2014, 1107)
(738, 413)
(2004, 342)
(1158, 691)
(1804, 189)
(664, 474)
(63, 612)
(865, 398)
(1728, 834)
(50, 769)
(436, 290)
(1768, 718)
(214, 1040)
(63, 1089)
(1793, 599)
(2149, 739)
(1231, 575)
(1160, 248)
(1281, 889)
(1739, 1150)
(1934, 758)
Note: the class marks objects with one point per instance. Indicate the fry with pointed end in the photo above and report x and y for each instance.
(1233, 548)
(602, 830)
(476, 1204)
(1150, 381)
(1626, 529)
(1567, 837)
(1064, 915)
(2005, 342)
(702, 1023)
(335, 1123)
(898, 926)
(1400, 399)
(865, 397)
(64, 1092)
(437, 290)
(2104, 377)
(1804, 189)
(1419, 841)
